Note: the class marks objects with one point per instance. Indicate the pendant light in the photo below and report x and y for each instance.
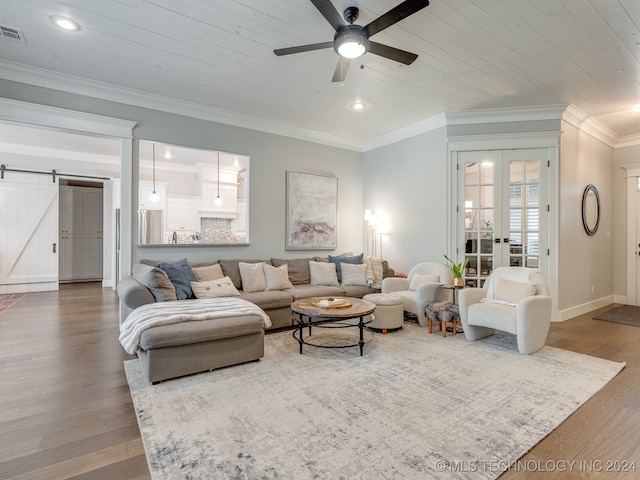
(154, 197)
(218, 200)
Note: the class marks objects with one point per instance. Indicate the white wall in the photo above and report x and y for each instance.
(271, 156)
(407, 180)
(584, 261)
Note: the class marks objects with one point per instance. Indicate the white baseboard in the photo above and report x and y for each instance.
(622, 299)
(578, 310)
(29, 287)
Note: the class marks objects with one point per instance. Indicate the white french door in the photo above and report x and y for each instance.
(502, 198)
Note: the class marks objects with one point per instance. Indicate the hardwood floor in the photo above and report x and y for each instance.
(66, 411)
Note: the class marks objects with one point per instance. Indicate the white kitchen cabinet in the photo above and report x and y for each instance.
(229, 196)
(182, 213)
(145, 190)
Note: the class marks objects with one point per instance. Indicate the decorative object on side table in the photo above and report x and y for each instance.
(457, 269)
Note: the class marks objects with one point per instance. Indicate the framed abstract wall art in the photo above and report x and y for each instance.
(312, 212)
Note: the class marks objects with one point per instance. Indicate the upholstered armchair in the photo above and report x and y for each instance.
(420, 288)
(514, 300)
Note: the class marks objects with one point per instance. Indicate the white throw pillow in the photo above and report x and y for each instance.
(323, 273)
(276, 278)
(222, 287)
(419, 279)
(354, 274)
(252, 277)
(512, 292)
(210, 272)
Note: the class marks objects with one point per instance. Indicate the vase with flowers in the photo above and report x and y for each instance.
(457, 269)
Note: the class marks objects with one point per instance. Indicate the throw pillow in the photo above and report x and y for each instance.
(209, 272)
(231, 269)
(353, 274)
(512, 292)
(339, 260)
(419, 279)
(298, 269)
(276, 278)
(323, 273)
(156, 280)
(252, 277)
(222, 287)
(181, 276)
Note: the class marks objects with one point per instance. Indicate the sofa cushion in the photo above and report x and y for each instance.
(181, 276)
(269, 300)
(223, 287)
(252, 277)
(339, 260)
(208, 272)
(186, 333)
(156, 280)
(310, 291)
(354, 274)
(358, 291)
(276, 278)
(323, 273)
(231, 269)
(299, 272)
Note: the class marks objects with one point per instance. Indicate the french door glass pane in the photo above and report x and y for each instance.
(524, 212)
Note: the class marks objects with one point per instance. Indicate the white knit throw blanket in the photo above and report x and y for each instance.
(165, 313)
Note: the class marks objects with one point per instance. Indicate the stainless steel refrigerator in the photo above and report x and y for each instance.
(150, 226)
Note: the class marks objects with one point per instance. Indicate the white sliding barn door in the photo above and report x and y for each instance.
(28, 233)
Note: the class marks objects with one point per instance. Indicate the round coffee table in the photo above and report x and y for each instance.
(309, 313)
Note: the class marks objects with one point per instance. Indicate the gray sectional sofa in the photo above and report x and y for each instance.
(168, 351)
(276, 303)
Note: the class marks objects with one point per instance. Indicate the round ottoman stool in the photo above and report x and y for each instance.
(389, 312)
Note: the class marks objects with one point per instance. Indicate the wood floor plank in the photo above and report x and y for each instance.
(66, 411)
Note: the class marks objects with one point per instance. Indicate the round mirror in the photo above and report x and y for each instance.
(590, 210)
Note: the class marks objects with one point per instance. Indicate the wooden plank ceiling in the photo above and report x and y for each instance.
(219, 54)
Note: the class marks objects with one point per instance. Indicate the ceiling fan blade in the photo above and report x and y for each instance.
(302, 48)
(341, 70)
(392, 53)
(329, 12)
(402, 11)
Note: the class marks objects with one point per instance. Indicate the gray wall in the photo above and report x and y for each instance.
(271, 156)
(584, 261)
(408, 181)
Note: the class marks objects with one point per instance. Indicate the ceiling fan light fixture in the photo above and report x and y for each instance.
(351, 42)
(358, 106)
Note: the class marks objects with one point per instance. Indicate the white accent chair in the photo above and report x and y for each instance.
(514, 300)
(415, 294)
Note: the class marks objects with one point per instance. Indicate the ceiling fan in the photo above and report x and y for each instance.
(351, 41)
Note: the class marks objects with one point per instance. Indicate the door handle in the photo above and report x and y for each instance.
(54, 248)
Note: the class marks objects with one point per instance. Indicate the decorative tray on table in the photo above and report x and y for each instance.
(331, 303)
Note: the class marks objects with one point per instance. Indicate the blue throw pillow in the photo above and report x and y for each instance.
(357, 259)
(181, 276)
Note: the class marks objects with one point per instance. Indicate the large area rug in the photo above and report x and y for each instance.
(415, 406)
(627, 314)
(7, 300)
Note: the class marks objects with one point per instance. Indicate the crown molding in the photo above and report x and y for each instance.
(424, 126)
(629, 141)
(505, 114)
(576, 117)
(80, 86)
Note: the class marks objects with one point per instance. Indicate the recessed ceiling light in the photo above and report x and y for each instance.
(358, 106)
(65, 23)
